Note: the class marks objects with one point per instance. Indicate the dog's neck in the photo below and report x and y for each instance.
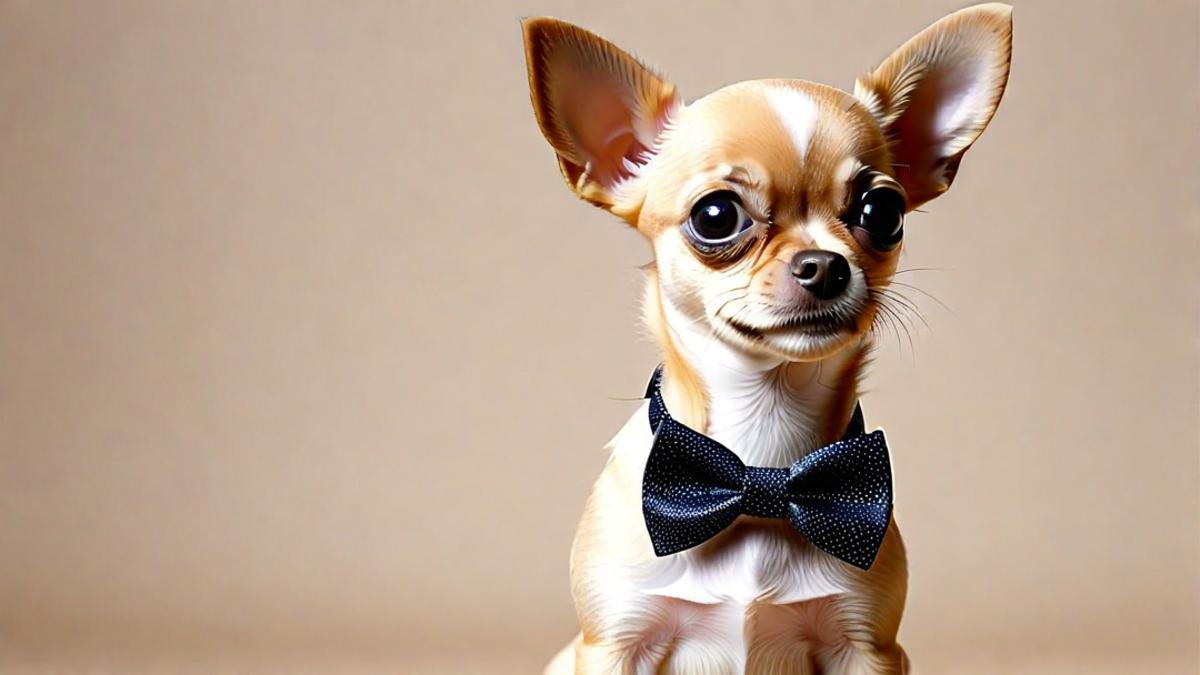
(768, 410)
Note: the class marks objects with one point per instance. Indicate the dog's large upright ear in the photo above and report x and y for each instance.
(602, 111)
(937, 93)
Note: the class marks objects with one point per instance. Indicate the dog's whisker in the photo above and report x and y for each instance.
(898, 313)
(902, 327)
(907, 305)
(899, 298)
(927, 294)
(885, 323)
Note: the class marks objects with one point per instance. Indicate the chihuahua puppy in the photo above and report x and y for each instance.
(775, 210)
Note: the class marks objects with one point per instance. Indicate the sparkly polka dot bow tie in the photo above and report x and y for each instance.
(839, 497)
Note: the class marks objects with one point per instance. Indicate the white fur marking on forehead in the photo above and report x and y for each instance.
(846, 170)
(798, 112)
(818, 233)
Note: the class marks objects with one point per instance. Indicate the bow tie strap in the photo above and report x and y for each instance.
(658, 408)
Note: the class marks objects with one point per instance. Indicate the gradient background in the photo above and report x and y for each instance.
(307, 354)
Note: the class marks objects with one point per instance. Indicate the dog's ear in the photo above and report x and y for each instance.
(936, 94)
(602, 111)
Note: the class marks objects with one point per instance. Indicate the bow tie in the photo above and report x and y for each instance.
(839, 497)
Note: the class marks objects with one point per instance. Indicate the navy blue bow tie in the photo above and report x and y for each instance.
(839, 497)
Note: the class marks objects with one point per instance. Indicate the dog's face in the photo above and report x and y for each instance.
(775, 207)
(775, 217)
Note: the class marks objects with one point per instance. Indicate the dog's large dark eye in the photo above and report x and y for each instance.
(882, 213)
(879, 212)
(717, 219)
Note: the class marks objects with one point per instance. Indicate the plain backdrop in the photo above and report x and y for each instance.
(308, 355)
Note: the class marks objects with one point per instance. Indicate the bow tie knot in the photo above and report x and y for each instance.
(765, 492)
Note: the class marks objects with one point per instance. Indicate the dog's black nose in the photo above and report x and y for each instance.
(825, 274)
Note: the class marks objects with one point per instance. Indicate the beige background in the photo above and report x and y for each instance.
(307, 355)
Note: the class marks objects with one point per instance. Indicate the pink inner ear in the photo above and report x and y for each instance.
(918, 147)
(963, 93)
(599, 116)
(943, 111)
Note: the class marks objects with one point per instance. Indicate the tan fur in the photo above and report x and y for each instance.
(683, 387)
(758, 598)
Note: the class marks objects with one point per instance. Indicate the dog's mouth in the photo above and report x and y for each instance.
(805, 337)
(815, 325)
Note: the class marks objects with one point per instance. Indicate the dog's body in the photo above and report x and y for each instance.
(775, 209)
(759, 598)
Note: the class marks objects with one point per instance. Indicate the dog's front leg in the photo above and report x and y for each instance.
(862, 658)
(607, 658)
(649, 657)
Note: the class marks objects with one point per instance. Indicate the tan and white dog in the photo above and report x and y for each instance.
(775, 209)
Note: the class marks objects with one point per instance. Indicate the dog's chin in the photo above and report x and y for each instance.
(795, 341)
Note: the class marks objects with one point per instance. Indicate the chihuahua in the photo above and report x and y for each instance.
(775, 210)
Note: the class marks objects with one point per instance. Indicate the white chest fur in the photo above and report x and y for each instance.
(754, 560)
(766, 411)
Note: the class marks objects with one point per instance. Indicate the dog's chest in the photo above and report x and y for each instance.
(755, 560)
(757, 581)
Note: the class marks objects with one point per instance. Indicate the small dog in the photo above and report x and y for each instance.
(775, 210)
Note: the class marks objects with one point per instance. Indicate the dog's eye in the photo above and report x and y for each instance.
(879, 212)
(882, 213)
(717, 219)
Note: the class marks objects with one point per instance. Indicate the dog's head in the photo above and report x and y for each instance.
(775, 207)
